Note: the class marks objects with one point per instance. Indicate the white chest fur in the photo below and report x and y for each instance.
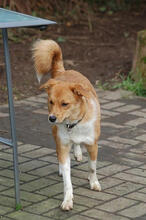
(81, 133)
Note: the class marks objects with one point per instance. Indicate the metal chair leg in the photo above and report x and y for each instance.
(12, 117)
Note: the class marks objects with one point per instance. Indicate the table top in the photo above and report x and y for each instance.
(11, 19)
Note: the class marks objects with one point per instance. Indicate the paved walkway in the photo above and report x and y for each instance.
(121, 164)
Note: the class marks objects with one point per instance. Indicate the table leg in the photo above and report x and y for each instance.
(12, 117)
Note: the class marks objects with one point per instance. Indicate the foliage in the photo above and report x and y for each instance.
(127, 84)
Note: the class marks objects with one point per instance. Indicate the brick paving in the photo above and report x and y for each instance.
(121, 166)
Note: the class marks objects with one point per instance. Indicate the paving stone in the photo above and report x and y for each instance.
(130, 162)
(117, 95)
(82, 200)
(78, 182)
(137, 171)
(22, 215)
(6, 181)
(43, 206)
(112, 105)
(143, 167)
(117, 204)
(138, 113)
(4, 210)
(38, 153)
(5, 163)
(108, 113)
(112, 169)
(110, 124)
(9, 202)
(134, 156)
(58, 214)
(142, 137)
(50, 159)
(143, 190)
(124, 188)
(41, 111)
(9, 157)
(123, 140)
(139, 149)
(3, 115)
(109, 182)
(5, 218)
(37, 99)
(27, 147)
(136, 122)
(45, 171)
(127, 108)
(102, 196)
(51, 190)
(131, 178)
(31, 165)
(79, 217)
(37, 184)
(26, 197)
(98, 214)
(3, 147)
(3, 188)
(134, 211)
(115, 145)
(24, 177)
(137, 196)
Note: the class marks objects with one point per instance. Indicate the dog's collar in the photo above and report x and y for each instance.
(70, 126)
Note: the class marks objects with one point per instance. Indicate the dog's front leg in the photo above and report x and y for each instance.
(93, 151)
(64, 166)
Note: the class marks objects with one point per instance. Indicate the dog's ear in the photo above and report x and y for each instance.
(46, 86)
(80, 91)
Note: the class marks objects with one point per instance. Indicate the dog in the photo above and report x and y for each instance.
(74, 113)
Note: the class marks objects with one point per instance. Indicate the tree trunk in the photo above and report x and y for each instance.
(139, 61)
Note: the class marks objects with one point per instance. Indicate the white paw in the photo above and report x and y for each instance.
(95, 185)
(77, 153)
(60, 171)
(67, 205)
(78, 157)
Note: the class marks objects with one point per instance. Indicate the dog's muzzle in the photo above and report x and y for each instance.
(52, 118)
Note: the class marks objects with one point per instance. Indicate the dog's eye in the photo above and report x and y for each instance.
(64, 104)
(51, 102)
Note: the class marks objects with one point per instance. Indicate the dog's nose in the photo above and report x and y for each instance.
(52, 118)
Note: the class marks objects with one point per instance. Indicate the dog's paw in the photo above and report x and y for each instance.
(78, 157)
(95, 185)
(60, 171)
(77, 153)
(67, 205)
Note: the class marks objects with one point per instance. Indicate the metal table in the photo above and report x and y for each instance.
(12, 19)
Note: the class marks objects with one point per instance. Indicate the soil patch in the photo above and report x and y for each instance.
(101, 54)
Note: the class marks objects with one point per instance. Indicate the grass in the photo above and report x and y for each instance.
(127, 84)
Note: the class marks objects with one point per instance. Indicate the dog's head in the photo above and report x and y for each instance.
(66, 101)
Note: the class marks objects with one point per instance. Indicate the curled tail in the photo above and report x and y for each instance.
(47, 57)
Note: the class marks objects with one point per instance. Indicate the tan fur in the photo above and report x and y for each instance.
(71, 98)
(47, 57)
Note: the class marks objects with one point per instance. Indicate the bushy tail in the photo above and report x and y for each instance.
(47, 57)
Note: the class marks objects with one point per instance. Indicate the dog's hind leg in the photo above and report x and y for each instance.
(93, 151)
(77, 152)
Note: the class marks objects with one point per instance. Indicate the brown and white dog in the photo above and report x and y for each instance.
(74, 113)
